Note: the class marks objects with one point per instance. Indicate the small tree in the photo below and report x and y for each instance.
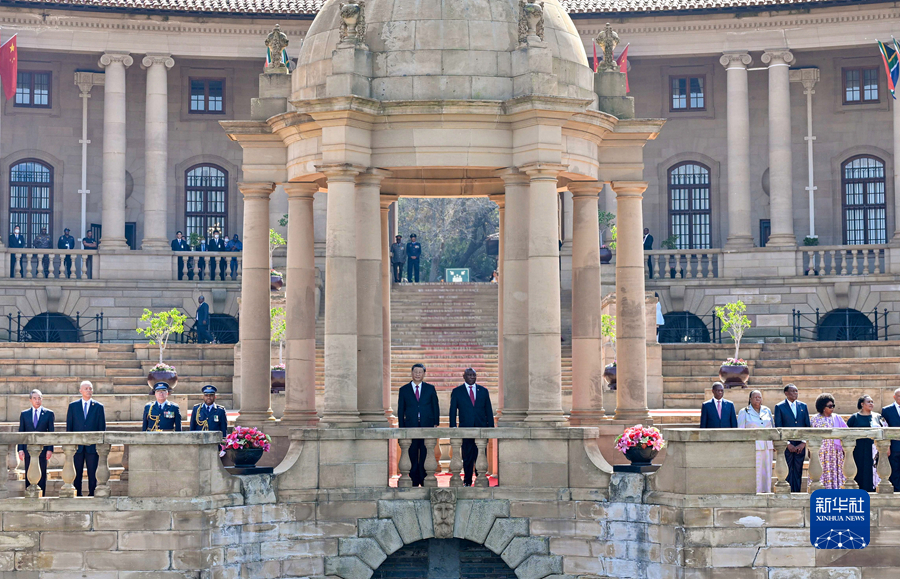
(734, 322)
(160, 325)
(608, 330)
(278, 327)
(607, 222)
(275, 241)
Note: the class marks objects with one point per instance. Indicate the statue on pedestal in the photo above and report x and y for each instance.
(276, 56)
(608, 40)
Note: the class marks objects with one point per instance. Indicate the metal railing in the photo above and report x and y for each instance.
(688, 328)
(840, 325)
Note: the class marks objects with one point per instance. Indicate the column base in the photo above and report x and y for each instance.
(155, 244)
(546, 419)
(300, 419)
(782, 240)
(109, 245)
(637, 416)
(587, 417)
(341, 420)
(370, 419)
(511, 417)
(256, 418)
(739, 242)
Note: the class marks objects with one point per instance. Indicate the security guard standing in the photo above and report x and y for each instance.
(162, 415)
(209, 416)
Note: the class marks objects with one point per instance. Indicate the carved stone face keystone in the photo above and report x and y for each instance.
(443, 512)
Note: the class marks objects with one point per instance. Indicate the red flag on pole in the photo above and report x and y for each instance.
(596, 64)
(9, 65)
(622, 61)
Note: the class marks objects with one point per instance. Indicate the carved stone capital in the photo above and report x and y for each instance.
(778, 57)
(86, 81)
(585, 188)
(300, 190)
(735, 60)
(109, 58)
(256, 190)
(158, 59)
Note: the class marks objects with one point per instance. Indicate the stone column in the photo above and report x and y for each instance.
(369, 301)
(514, 277)
(739, 234)
(255, 293)
(544, 352)
(341, 407)
(781, 200)
(587, 364)
(500, 200)
(114, 141)
(631, 330)
(300, 311)
(156, 151)
(896, 116)
(387, 277)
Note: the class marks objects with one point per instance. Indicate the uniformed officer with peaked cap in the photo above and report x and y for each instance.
(209, 416)
(161, 415)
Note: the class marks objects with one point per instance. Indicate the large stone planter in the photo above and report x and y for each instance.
(246, 457)
(276, 282)
(610, 374)
(170, 378)
(639, 456)
(277, 381)
(734, 376)
(605, 255)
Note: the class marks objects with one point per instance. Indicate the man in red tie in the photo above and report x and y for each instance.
(473, 403)
(718, 412)
(418, 407)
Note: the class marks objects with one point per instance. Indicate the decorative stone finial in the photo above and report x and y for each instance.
(443, 512)
(353, 22)
(608, 40)
(276, 42)
(531, 20)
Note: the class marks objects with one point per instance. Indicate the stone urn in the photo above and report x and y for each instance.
(734, 376)
(605, 255)
(170, 378)
(245, 457)
(277, 282)
(610, 374)
(641, 456)
(277, 380)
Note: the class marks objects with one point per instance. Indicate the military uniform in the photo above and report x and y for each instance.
(203, 419)
(167, 418)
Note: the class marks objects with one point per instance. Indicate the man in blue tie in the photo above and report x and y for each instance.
(791, 413)
(718, 412)
(37, 419)
(209, 415)
(86, 415)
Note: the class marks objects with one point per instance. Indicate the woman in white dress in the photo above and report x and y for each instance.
(755, 415)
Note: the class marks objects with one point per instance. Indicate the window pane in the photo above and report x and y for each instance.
(216, 95)
(23, 88)
(689, 206)
(697, 93)
(864, 201)
(679, 93)
(198, 95)
(206, 200)
(851, 82)
(41, 96)
(870, 84)
(30, 198)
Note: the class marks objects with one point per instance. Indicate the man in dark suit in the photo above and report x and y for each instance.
(891, 415)
(209, 416)
(180, 244)
(86, 415)
(162, 415)
(718, 412)
(16, 241)
(418, 407)
(791, 413)
(413, 255)
(473, 403)
(216, 244)
(648, 245)
(36, 419)
(66, 242)
(202, 317)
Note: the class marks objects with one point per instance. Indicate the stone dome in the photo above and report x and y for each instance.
(443, 50)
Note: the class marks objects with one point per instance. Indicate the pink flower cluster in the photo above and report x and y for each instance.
(640, 437)
(243, 437)
(162, 368)
(278, 367)
(735, 362)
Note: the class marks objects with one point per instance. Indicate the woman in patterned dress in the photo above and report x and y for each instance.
(755, 415)
(831, 453)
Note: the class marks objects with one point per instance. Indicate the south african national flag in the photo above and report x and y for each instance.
(891, 57)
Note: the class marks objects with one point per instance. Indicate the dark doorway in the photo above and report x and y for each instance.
(49, 327)
(765, 230)
(131, 234)
(444, 559)
(683, 327)
(845, 324)
(224, 328)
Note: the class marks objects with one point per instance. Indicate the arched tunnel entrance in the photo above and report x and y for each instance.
(444, 559)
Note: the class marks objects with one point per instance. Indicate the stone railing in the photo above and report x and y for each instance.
(843, 260)
(53, 263)
(683, 263)
(723, 461)
(159, 464)
(198, 265)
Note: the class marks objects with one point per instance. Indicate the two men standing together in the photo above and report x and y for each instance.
(410, 254)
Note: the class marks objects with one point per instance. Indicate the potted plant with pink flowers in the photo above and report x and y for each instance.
(735, 372)
(247, 446)
(640, 444)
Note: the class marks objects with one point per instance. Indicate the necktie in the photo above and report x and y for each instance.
(794, 410)
(37, 415)
(719, 408)
(417, 392)
(86, 409)
(472, 394)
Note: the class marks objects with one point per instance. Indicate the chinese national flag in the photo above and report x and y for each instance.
(9, 66)
(622, 61)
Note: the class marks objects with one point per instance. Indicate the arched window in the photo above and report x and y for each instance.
(30, 197)
(683, 327)
(689, 213)
(206, 200)
(845, 324)
(862, 183)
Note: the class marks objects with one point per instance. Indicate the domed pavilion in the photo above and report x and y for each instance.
(491, 98)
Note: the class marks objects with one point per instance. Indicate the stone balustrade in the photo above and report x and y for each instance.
(723, 461)
(683, 263)
(159, 464)
(844, 260)
(195, 265)
(53, 263)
